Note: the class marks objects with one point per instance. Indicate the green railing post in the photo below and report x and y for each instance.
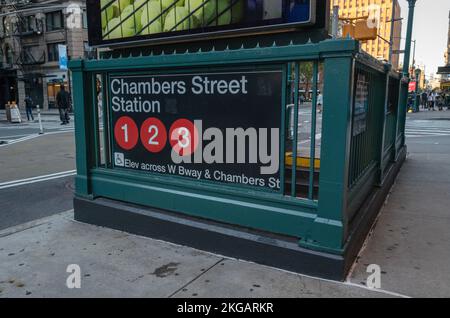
(295, 140)
(81, 128)
(330, 224)
(401, 117)
(382, 123)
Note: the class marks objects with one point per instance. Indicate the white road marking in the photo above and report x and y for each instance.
(13, 136)
(20, 140)
(32, 136)
(417, 129)
(52, 176)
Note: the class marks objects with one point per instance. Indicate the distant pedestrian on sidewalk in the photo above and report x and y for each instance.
(62, 100)
(431, 100)
(29, 108)
(440, 100)
(424, 100)
(320, 102)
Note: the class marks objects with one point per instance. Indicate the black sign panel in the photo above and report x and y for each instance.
(361, 105)
(129, 21)
(219, 126)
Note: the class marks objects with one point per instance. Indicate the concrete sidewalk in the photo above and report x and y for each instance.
(49, 112)
(411, 240)
(34, 258)
(46, 115)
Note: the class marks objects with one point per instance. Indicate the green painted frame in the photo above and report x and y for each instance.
(320, 225)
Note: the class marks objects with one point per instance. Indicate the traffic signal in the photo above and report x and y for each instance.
(360, 30)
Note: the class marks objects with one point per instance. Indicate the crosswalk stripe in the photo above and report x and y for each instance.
(428, 132)
(57, 175)
(427, 129)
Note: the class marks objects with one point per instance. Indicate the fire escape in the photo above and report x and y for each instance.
(17, 28)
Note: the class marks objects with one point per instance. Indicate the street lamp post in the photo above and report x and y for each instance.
(391, 36)
(409, 29)
(403, 98)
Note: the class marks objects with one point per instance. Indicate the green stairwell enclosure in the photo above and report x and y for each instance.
(348, 154)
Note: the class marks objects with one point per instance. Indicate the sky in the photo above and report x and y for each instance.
(430, 31)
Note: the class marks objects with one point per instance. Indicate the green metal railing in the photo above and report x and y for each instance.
(374, 133)
(367, 105)
(302, 112)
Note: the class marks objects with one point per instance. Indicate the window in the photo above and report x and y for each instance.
(89, 52)
(28, 24)
(29, 53)
(9, 55)
(5, 25)
(54, 21)
(52, 52)
(84, 19)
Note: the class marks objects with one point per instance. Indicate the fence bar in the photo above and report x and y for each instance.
(106, 148)
(289, 82)
(82, 129)
(294, 142)
(95, 120)
(312, 153)
(284, 123)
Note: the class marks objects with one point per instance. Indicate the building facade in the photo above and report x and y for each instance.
(30, 34)
(444, 71)
(447, 55)
(386, 11)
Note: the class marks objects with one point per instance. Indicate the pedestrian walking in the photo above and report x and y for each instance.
(441, 101)
(62, 101)
(320, 102)
(100, 104)
(430, 101)
(435, 99)
(29, 108)
(447, 100)
(424, 100)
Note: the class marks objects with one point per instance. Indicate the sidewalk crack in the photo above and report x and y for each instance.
(196, 277)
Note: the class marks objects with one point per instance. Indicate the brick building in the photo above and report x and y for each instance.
(388, 9)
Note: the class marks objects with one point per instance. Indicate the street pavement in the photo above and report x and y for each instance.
(304, 131)
(13, 132)
(409, 242)
(36, 171)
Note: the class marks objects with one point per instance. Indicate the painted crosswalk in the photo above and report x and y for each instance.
(418, 129)
(52, 176)
(11, 140)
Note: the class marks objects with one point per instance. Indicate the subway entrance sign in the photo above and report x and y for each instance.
(260, 139)
(211, 126)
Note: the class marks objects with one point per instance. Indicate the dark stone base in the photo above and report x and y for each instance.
(241, 243)
(233, 241)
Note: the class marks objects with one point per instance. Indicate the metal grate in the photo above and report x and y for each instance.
(304, 119)
(365, 124)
